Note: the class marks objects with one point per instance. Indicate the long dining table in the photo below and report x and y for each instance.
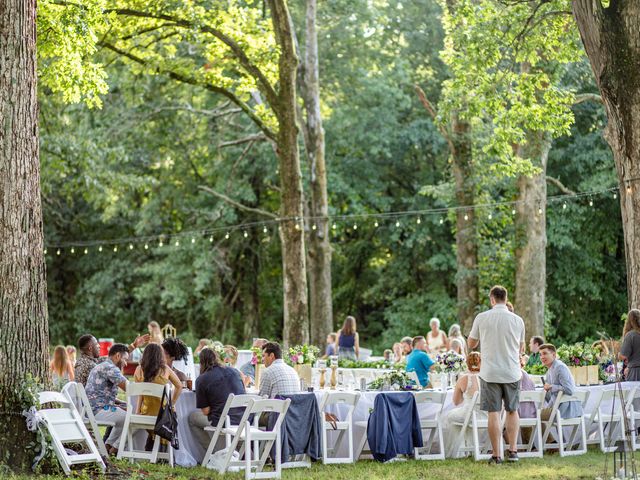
(191, 452)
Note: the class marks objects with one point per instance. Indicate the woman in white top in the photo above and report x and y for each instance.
(436, 338)
(456, 332)
(467, 385)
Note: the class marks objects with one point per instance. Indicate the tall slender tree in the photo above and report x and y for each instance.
(23, 294)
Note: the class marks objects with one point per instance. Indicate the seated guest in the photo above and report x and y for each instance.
(102, 390)
(398, 353)
(71, 352)
(249, 368)
(230, 355)
(388, 355)
(90, 355)
(278, 378)
(175, 349)
(419, 360)
(204, 342)
(153, 369)
(331, 345)
(60, 367)
(534, 347)
(630, 350)
(457, 346)
(526, 409)
(456, 332)
(466, 386)
(558, 379)
(214, 385)
(407, 345)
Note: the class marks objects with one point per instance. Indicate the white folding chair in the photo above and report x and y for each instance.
(263, 440)
(431, 424)
(633, 415)
(134, 421)
(576, 425)
(478, 425)
(341, 400)
(413, 376)
(66, 427)
(233, 401)
(534, 424)
(608, 413)
(78, 396)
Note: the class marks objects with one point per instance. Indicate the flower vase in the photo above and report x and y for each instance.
(304, 372)
(256, 381)
(444, 378)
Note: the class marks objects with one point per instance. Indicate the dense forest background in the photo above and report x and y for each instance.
(141, 166)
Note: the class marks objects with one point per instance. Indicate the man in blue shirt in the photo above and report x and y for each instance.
(419, 361)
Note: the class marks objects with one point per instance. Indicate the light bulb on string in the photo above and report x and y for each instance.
(466, 217)
(45, 251)
(264, 230)
(297, 226)
(211, 239)
(245, 234)
(629, 188)
(615, 195)
(376, 224)
(58, 252)
(334, 226)
(100, 248)
(146, 246)
(314, 227)
(193, 240)
(441, 221)
(397, 223)
(73, 250)
(564, 206)
(226, 236)
(418, 221)
(177, 244)
(86, 250)
(513, 212)
(490, 216)
(131, 246)
(355, 226)
(539, 210)
(590, 202)
(115, 249)
(160, 243)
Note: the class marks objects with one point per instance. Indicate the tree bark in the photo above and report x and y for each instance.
(296, 308)
(611, 37)
(23, 295)
(531, 236)
(466, 237)
(319, 248)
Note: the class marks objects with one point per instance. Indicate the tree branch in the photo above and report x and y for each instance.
(434, 115)
(251, 138)
(193, 81)
(587, 97)
(237, 51)
(239, 205)
(560, 185)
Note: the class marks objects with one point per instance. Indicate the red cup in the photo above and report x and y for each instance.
(105, 345)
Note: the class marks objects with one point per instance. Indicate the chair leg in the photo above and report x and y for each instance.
(156, 449)
(560, 436)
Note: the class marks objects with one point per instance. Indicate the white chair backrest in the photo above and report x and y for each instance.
(534, 396)
(137, 389)
(347, 398)
(54, 397)
(414, 377)
(430, 397)
(578, 396)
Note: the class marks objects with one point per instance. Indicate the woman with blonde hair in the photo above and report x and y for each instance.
(466, 386)
(348, 341)
(456, 332)
(60, 367)
(71, 353)
(155, 333)
(630, 350)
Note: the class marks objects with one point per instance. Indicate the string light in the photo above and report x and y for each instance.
(513, 212)
(297, 226)
(131, 246)
(245, 234)
(441, 221)
(115, 249)
(45, 251)
(539, 210)
(177, 243)
(58, 252)
(629, 188)
(193, 240)
(397, 223)
(355, 226)
(615, 195)
(100, 248)
(86, 250)
(590, 202)
(211, 239)
(314, 227)
(264, 230)
(466, 217)
(146, 246)
(418, 220)
(564, 206)
(160, 244)
(73, 250)
(226, 236)
(376, 224)
(490, 216)
(334, 226)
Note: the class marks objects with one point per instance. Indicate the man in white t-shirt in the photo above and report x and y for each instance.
(500, 335)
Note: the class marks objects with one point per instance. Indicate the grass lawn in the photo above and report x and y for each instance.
(587, 466)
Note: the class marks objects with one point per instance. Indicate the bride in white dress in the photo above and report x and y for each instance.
(466, 386)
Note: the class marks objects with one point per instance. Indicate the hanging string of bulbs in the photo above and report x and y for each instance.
(350, 221)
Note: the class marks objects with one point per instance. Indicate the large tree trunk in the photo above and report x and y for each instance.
(611, 38)
(466, 237)
(296, 313)
(319, 248)
(23, 296)
(531, 236)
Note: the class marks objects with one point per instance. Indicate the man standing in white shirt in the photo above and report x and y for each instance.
(500, 335)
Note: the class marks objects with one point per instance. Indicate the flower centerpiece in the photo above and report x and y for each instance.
(395, 379)
(302, 357)
(582, 361)
(450, 362)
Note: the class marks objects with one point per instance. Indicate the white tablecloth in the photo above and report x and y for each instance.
(191, 453)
